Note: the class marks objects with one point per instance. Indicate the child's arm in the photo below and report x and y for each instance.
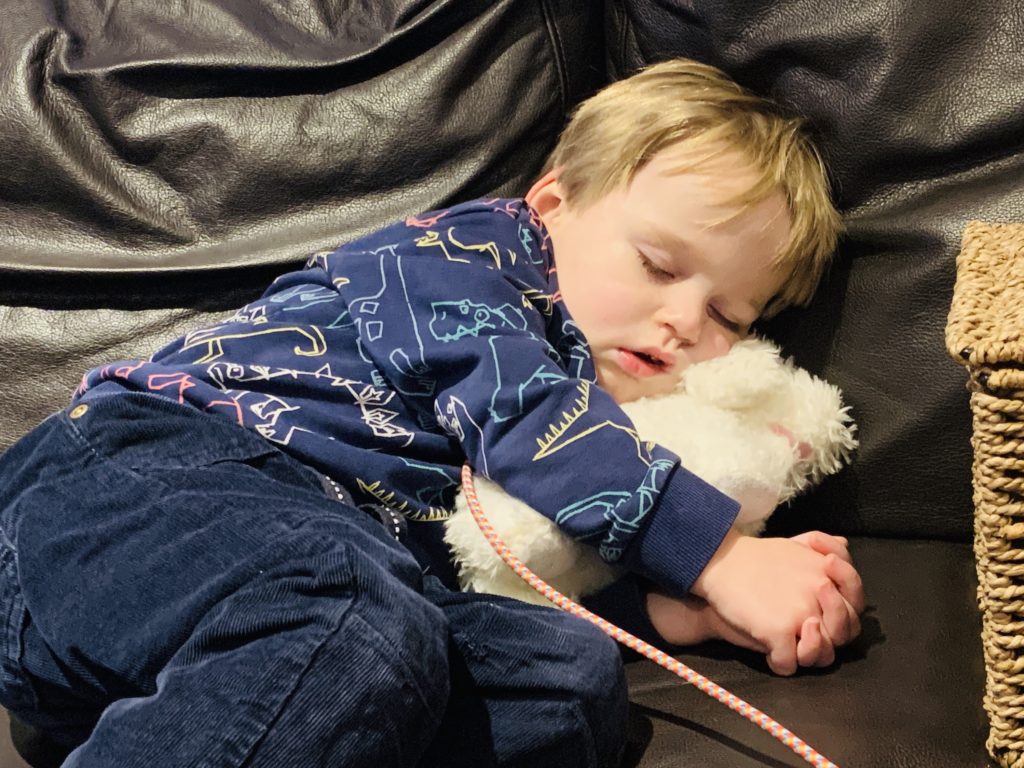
(463, 326)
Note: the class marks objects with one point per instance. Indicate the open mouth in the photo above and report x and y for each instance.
(641, 364)
(649, 359)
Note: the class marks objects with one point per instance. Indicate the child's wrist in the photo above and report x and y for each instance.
(703, 585)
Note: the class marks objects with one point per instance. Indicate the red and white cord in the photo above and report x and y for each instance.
(753, 714)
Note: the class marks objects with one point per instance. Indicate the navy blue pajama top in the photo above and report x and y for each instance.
(389, 361)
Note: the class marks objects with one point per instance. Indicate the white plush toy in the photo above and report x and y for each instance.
(749, 423)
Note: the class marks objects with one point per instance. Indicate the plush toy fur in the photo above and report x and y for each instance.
(749, 423)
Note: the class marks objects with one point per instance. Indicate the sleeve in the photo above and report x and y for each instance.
(461, 333)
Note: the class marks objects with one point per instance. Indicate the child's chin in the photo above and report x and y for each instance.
(626, 389)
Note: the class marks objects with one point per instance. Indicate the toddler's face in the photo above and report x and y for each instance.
(654, 283)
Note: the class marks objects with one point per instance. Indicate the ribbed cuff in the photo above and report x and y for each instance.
(682, 532)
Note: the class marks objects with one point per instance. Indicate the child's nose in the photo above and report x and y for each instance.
(685, 322)
(685, 308)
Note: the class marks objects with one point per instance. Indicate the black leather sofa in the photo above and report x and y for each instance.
(162, 162)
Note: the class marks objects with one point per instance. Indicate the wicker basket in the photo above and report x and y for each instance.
(985, 332)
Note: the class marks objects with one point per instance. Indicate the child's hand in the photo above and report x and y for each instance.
(776, 593)
(826, 544)
(841, 621)
(690, 620)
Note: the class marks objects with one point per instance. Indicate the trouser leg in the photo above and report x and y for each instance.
(193, 609)
(532, 687)
(323, 659)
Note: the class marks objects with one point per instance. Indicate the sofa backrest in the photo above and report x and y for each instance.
(918, 106)
(162, 162)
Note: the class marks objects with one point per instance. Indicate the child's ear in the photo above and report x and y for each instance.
(546, 196)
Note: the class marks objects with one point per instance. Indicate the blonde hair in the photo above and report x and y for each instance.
(699, 110)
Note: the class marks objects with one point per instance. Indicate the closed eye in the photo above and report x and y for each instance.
(653, 270)
(725, 322)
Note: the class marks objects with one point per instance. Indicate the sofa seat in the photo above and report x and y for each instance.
(906, 693)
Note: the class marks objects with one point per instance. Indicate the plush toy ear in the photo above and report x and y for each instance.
(751, 371)
(819, 420)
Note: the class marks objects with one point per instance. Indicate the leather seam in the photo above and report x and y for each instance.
(558, 55)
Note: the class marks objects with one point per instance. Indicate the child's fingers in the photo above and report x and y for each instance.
(838, 619)
(825, 544)
(847, 580)
(815, 648)
(782, 655)
(808, 647)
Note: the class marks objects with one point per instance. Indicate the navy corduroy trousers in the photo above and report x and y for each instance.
(176, 591)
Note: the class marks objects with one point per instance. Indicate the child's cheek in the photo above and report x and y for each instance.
(721, 344)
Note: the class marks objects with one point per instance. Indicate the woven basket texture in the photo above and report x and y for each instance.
(985, 332)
